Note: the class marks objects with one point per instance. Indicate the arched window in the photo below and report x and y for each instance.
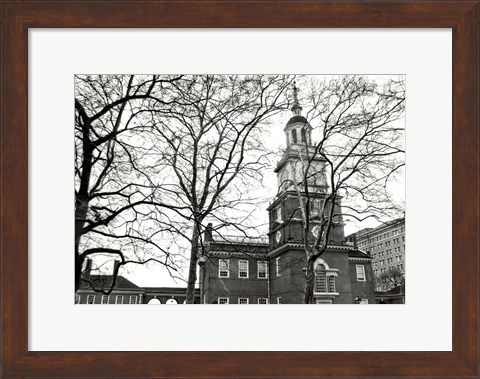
(303, 135)
(324, 277)
(320, 279)
(154, 301)
(294, 135)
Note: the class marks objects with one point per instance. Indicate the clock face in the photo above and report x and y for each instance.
(278, 236)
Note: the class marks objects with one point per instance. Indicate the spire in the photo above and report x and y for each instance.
(296, 108)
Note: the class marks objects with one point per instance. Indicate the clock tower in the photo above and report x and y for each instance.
(298, 158)
(287, 259)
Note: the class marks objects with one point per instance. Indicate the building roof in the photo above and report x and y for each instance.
(370, 231)
(105, 281)
(358, 254)
(295, 119)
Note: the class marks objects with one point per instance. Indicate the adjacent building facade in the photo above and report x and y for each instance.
(386, 245)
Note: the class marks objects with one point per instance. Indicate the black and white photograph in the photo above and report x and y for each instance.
(239, 189)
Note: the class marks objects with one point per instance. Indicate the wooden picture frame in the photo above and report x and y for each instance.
(18, 17)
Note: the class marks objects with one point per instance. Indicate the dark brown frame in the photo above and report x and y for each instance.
(17, 17)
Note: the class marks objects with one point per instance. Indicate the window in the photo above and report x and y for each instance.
(278, 214)
(320, 279)
(90, 299)
(223, 268)
(119, 299)
(263, 300)
(361, 273)
(294, 135)
(223, 300)
(331, 283)
(277, 265)
(77, 299)
(262, 269)
(243, 269)
(323, 301)
(279, 300)
(316, 206)
(104, 299)
(133, 299)
(243, 300)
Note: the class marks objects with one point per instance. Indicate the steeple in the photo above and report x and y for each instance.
(297, 130)
(299, 147)
(296, 108)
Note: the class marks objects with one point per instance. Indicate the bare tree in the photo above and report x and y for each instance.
(115, 211)
(391, 278)
(212, 151)
(347, 171)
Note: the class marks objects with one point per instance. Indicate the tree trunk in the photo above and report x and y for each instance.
(309, 282)
(78, 270)
(192, 274)
(82, 201)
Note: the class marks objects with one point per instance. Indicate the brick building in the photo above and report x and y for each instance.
(246, 271)
(124, 291)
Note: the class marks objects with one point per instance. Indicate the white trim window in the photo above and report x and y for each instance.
(262, 269)
(119, 299)
(133, 299)
(77, 299)
(323, 301)
(320, 279)
(91, 299)
(243, 269)
(104, 299)
(324, 279)
(262, 300)
(278, 214)
(277, 266)
(243, 300)
(360, 273)
(223, 300)
(331, 283)
(223, 268)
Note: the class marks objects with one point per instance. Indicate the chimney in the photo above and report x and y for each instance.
(355, 246)
(208, 232)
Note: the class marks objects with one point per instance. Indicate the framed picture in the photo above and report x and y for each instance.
(272, 347)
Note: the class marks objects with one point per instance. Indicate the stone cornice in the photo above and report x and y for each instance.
(300, 246)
